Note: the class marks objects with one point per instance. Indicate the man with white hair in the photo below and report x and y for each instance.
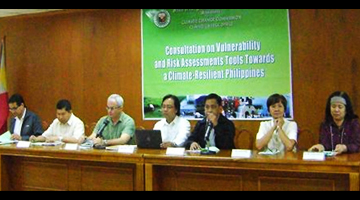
(115, 128)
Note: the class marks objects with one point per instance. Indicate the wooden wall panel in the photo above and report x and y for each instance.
(86, 55)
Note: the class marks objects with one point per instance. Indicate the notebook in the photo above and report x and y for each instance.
(148, 139)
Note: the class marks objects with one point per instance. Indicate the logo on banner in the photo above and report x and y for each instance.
(162, 18)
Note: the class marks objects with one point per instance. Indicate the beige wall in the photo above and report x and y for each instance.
(86, 55)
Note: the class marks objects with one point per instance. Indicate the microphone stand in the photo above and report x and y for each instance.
(99, 134)
(207, 151)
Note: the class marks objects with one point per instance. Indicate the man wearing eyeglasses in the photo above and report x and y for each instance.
(117, 127)
(24, 122)
(174, 128)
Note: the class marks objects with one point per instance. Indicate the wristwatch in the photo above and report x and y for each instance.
(105, 142)
(60, 138)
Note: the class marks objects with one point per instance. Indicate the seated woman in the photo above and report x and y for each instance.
(278, 134)
(340, 130)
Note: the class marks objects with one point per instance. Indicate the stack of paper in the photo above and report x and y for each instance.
(5, 138)
(269, 152)
(46, 143)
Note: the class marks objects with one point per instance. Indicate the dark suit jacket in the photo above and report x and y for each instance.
(224, 134)
(31, 125)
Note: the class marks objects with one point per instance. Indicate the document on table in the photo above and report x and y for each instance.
(123, 148)
(269, 152)
(211, 148)
(329, 153)
(5, 138)
(46, 143)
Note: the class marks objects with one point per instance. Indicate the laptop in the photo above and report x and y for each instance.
(148, 138)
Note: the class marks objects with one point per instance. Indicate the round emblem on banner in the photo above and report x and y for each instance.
(162, 18)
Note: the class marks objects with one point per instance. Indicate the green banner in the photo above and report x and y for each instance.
(243, 55)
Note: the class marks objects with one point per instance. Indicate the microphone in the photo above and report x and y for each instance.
(206, 151)
(208, 129)
(99, 133)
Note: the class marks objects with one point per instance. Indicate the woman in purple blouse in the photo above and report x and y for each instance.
(340, 131)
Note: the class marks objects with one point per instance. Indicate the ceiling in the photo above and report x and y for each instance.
(13, 12)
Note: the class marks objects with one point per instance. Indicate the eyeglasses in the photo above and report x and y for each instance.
(13, 109)
(112, 108)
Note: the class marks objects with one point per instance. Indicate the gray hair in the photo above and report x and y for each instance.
(117, 98)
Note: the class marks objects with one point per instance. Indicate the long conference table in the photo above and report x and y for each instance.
(54, 168)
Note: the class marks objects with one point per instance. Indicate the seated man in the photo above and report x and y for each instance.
(24, 122)
(215, 129)
(65, 128)
(115, 128)
(174, 129)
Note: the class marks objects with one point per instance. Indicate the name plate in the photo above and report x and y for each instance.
(23, 144)
(313, 155)
(126, 148)
(69, 146)
(241, 153)
(178, 151)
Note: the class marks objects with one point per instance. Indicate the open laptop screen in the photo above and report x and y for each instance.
(148, 139)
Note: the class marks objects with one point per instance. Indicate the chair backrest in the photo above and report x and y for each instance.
(306, 138)
(140, 128)
(244, 139)
(45, 125)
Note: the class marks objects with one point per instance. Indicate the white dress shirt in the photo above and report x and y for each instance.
(74, 127)
(18, 123)
(177, 131)
(290, 129)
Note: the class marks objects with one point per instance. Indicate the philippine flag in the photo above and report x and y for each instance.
(4, 110)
